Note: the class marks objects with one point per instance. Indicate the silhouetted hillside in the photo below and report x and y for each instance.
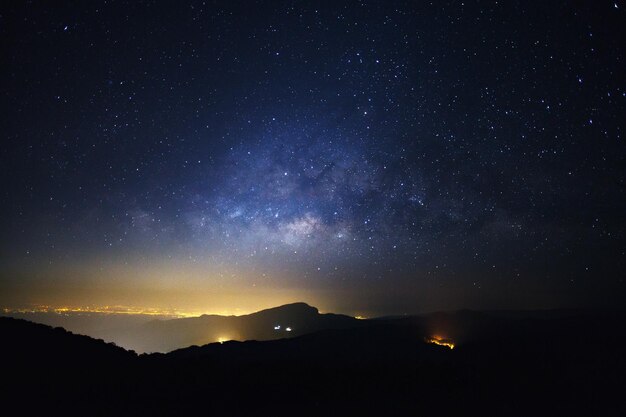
(47, 369)
(275, 323)
(513, 365)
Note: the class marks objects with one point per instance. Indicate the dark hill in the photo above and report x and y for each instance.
(514, 365)
(47, 370)
(275, 323)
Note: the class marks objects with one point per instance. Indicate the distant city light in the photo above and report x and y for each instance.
(288, 329)
(277, 327)
(110, 310)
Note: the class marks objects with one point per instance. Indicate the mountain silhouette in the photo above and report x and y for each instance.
(503, 363)
(275, 323)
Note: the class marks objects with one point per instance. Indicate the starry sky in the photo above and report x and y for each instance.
(375, 157)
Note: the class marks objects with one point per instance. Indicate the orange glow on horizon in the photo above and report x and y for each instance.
(117, 310)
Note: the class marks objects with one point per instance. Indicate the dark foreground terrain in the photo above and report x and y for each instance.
(503, 364)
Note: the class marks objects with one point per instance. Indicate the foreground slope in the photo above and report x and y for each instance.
(563, 365)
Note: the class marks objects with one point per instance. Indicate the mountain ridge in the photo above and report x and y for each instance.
(283, 321)
(499, 366)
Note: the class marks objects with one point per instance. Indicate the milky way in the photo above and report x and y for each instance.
(473, 150)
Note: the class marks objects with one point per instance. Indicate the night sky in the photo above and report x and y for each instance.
(375, 157)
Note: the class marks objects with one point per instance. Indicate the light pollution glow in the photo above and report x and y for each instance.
(107, 310)
(174, 288)
(170, 289)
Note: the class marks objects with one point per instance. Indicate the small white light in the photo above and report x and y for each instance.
(288, 329)
(277, 327)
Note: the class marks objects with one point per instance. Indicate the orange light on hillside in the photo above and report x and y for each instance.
(436, 340)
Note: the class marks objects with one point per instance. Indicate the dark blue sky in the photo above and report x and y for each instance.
(374, 156)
